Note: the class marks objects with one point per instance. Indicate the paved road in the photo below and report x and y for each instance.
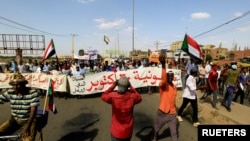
(88, 119)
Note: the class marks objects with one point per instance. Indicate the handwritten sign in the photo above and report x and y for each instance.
(154, 56)
(37, 80)
(94, 83)
(99, 82)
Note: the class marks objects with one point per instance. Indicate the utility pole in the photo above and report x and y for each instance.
(73, 48)
(118, 47)
(133, 34)
(118, 44)
(157, 43)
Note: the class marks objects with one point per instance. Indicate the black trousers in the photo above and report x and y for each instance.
(194, 105)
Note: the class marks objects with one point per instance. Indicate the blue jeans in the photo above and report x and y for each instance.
(228, 96)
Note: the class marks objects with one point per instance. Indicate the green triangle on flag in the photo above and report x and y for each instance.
(191, 47)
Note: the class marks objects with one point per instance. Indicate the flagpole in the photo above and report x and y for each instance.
(45, 101)
(57, 60)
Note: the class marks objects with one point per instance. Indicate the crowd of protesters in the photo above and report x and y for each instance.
(229, 81)
(210, 75)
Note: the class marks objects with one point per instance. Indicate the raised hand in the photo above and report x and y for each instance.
(162, 59)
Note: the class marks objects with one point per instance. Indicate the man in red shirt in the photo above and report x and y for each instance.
(123, 102)
(212, 87)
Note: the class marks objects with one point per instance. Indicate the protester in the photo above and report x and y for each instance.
(212, 87)
(77, 72)
(231, 82)
(202, 79)
(243, 83)
(13, 66)
(166, 112)
(189, 65)
(123, 102)
(190, 95)
(23, 102)
(221, 80)
(208, 68)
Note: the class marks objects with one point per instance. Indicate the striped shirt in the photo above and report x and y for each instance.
(20, 105)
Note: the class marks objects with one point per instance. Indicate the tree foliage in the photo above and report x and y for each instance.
(81, 52)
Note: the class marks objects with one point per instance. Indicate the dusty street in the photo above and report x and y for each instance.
(88, 119)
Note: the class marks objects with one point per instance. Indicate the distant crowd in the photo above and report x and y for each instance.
(83, 67)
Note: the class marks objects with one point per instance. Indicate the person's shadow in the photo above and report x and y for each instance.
(81, 134)
(147, 133)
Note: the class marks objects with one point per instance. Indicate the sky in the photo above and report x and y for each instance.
(83, 23)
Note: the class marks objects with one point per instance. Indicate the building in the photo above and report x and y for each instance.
(180, 54)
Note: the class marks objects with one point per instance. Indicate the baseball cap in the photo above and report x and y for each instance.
(234, 67)
(123, 84)
(17, 78)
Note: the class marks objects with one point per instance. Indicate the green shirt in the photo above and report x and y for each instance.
(232, 76)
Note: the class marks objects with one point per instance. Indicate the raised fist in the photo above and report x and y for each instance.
(162, 59)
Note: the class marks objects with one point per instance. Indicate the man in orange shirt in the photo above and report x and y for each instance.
(166, 112)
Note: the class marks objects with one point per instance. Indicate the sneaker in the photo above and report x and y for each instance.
(196, 124)
(228, 109)
(179, 118)
(223, 104)
(202, 98)
(214, 106)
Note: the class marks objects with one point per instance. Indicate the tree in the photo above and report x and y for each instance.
(209, 58)
(222, 57)
(81, 52)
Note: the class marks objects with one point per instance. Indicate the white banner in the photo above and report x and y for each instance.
(88, 55)
(99, 82)
(94, 83)
(37, 80)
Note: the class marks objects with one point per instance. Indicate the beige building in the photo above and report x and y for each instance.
(175, 45)
(219, 53)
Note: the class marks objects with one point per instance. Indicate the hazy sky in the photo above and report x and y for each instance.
(162, 21)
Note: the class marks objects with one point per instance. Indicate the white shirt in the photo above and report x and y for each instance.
(76, 73)
(219, 72)
(190, 89)
(39, 70)
(207, 70)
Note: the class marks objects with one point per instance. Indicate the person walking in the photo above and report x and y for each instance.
(190, 96)
(166, 112)
(243, 83)
(212, 87)
(231, 82)
(24, 102)
(202, 79)
(221, 81)
(123, 102)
